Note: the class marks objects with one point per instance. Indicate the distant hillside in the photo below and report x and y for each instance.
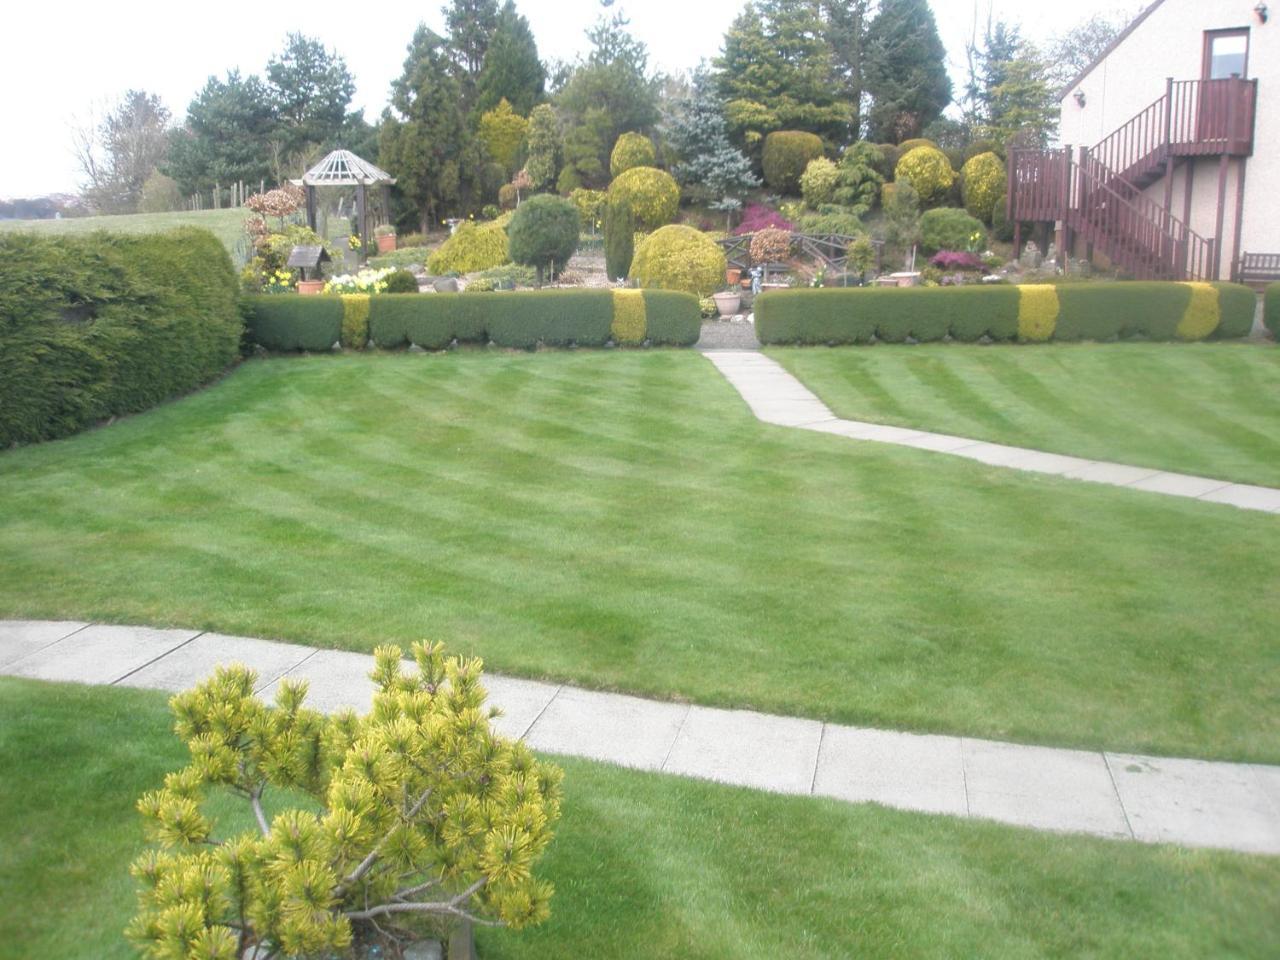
(226, 225)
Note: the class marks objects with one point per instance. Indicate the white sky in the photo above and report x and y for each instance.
(60, 57)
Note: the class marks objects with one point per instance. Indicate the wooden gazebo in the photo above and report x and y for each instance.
(342, 168)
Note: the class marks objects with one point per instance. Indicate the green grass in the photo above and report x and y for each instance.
(620, 520)
(648, 865)
(1206, 408)
(227, 225)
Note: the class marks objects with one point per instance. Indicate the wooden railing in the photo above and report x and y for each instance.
(831, 250)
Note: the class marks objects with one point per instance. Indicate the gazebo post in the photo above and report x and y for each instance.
(311, 207)
(362, 216)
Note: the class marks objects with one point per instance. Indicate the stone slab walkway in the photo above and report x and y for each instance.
(1151, 799)
(777, 397)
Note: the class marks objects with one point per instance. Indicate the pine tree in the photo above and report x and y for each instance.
(698, 135)
(512, 70)
(226, 135)
(310, 90)
(906, 71)
(471, 25)
(425, 141)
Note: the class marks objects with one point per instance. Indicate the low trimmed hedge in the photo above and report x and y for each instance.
(1033, 313)
(97, 326)
(1271, 309)
(520, 319)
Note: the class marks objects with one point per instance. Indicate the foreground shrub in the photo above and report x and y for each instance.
(1271, 309)
(982, 185)
(99, 326)
(1237, 305)
(544, 233)
(417, 815)
(671, 318)
(628, 326)
(653, 194)
(472, 247)
(288, 322)
(1034, 313)
(632, 150)
(950, 228)
(679, 258)
(786, 155)
(928, 170)
(401, 281)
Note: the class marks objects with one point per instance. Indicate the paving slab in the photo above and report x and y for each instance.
(1178, 484)
(1114, 474)
(1062, 790)
(19, 638)
(937, 442)
(521, 702)
(1054, 464)
(992, 454)
(336, 680)
(909, 771)
(99, 654)
(610, 727)
(1197, 803)
(1246, 497)
(748, 749)
(186, 666)
(853, 429)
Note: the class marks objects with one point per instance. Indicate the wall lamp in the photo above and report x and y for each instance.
(1080, 99)
(1261, 11)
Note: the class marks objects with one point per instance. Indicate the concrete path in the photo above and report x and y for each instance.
(1150, 799)
(776, 397)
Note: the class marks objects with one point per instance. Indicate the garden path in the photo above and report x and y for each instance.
(1149, 799)
(777, 397)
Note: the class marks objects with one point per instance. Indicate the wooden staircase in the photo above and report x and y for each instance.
(1101, 195)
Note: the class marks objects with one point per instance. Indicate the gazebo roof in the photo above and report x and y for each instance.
(342, 168)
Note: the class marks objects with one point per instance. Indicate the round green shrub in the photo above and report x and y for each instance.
(982, 183)
(654, 196)
(472, 247)
(786, 154)
(544, 232)
(401, 281)
(679, 258)
(928, 170)
(906, 146)
(632, 150)
(983, 146)
(949, 228)
(819, 181)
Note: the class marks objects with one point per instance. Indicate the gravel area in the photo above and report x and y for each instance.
(736, 334)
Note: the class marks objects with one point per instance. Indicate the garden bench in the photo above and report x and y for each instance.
(1258, 269)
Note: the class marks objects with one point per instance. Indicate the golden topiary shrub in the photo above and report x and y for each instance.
(1202, 315)
(653, 194)
(1037, 311)
(679, 258)
(628, 325)
(982, 184)
(928, 170)
(819, 181)
(472, 247)
(786, 155)
(632, 150)
(355, 320)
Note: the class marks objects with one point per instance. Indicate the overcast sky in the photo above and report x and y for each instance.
(60, 57)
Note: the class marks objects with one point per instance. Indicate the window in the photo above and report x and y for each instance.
(1226, 53)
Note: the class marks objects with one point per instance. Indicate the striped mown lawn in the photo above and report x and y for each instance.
(646, 865)
(620, 520)
(1206, 408)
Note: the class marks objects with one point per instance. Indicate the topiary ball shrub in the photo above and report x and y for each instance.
(472, 247)
(679, 258)
(786, 155)
(402, 281)
(949, 228)
(632, 150)
(819, 181)
(544, 233)
(982, 184)
(906, 146)
(654, 196)
(928, 170)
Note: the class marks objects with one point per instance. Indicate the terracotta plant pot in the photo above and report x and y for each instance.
(727, 303)
(732, 276)
(387, 244)
(310, 286)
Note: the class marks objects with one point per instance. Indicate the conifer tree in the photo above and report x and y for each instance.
(906, 71)
(545, 147)
(511, 70)
(619, 238)
(708, 163)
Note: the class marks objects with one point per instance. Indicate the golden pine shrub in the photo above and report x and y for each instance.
(1037, 311)
(1202, 315)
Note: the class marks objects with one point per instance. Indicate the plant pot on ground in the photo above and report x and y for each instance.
(386, 238)
(728, 302)
(732, 275)
(310, 286)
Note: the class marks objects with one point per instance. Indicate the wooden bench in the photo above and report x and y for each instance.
(1258, 269)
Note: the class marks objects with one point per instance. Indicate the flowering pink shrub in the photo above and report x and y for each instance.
(957, 260)
(757, 217)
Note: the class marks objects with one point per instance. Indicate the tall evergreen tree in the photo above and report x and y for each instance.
(847, 22)
(471, 25)
(226, 136)
(512, 70)
(310, 89)
(906, 70)
(545, 145)
(425, 141)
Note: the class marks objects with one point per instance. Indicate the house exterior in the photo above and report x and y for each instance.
(1170, 165)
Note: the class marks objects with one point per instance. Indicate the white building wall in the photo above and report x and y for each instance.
(1170, 43)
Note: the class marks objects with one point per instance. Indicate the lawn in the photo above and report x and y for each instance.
(227, 225)
(620, 520)
(648, 865)
(1205, 408)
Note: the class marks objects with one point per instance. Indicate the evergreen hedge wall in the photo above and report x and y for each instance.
(101, 325)
(1271, 309)
(1030, 313)
(522, 319)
